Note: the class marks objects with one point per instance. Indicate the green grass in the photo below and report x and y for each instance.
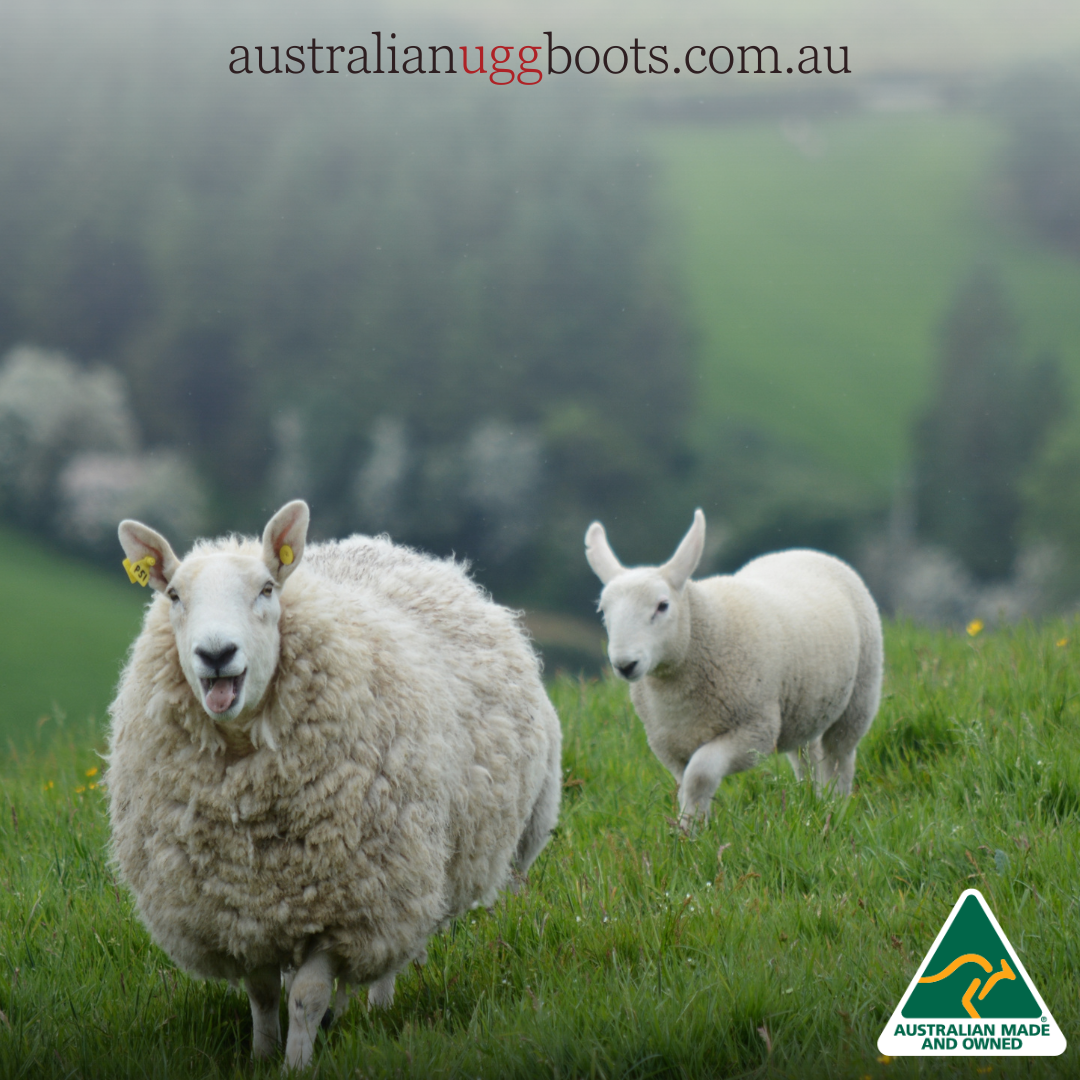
(634, 952)
(817, 283)
(65, 631)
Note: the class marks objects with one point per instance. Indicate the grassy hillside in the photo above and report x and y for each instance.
(65, 631)
(819, 262)
(774, 944)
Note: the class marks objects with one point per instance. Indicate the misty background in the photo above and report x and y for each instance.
(833, 311)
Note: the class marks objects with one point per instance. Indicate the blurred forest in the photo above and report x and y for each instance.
(454, 324)
(458, 317)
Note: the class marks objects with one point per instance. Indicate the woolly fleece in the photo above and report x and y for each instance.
(405, 756)
(786, 649)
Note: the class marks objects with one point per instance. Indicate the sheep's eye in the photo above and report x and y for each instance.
(173, 595)
(662, 606)
(268, 589)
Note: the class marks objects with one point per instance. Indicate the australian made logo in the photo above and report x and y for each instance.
(971, 996)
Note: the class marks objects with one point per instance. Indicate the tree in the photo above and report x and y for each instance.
(987, 422)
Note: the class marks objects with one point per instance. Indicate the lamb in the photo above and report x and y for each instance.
(314, 767)
(784, 655)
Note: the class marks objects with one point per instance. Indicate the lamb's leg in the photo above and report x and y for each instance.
(380, 994)
(308, 1001)
(837, 770)
(809, 755)
(264, 992)
(710, 763)
(837, 773)
(840, 741)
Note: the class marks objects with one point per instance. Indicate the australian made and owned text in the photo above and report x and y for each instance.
(972, 1036)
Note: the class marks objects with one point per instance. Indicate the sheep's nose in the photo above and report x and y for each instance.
(216, 660)
(626, 670)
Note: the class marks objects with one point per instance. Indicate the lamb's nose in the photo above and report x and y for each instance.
(626, 670)
(216, 660)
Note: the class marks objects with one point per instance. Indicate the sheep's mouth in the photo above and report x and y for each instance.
(220, 694)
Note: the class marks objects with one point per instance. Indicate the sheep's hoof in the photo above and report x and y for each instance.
(688, 824)
(381, 992)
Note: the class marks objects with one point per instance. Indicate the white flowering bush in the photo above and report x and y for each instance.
(51, 409)
(70, 463)
(480, 492)
(96, 491)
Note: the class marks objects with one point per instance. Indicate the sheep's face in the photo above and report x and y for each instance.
(647, 622)
(225, 607)
(645, 610)
(225, 610)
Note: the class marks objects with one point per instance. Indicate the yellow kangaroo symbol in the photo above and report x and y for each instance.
(1006, 972)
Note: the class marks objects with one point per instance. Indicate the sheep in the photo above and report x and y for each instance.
(786, 654)
(312, 768)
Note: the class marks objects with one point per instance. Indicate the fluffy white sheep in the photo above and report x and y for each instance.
(784, 655)
(314, 767)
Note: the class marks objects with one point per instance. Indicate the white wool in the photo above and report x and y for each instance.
(314, 767)
(784, 655)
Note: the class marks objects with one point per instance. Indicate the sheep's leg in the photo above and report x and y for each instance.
(709, 764)
(308, 1002)
(380, 994)
(837, 769)
(840, 740)
(343, 995)
(837, 773)
(545, 813)
(263, 987)
(810, 755)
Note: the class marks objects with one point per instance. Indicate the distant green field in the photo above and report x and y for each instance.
(818, 277)
(65, 631)
(775, 944)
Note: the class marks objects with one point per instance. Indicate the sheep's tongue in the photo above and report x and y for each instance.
(221, 695)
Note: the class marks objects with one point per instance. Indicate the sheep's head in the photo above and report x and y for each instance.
(225, 608)
(645, 609)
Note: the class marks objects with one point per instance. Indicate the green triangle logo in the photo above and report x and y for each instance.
(971, 995)
(969, 974)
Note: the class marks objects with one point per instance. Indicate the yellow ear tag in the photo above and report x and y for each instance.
(139, 572)
(285, 554)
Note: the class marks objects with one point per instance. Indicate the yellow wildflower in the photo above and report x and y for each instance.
(1062, 642)
(92, 772)
(79, 790)
(975, 627)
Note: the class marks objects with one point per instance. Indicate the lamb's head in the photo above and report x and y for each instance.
(225, 607)
(645, 609)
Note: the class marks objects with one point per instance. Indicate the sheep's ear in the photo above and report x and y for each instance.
(683, 563)
(150, 560)
(284, 538)
(598, 552)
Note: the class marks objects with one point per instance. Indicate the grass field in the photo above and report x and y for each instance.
(774, 944)
(64, 633)
(818, 267)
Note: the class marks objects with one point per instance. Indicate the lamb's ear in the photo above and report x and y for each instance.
(598, 552)
(683, 563)
(150, 560)
(284, 537)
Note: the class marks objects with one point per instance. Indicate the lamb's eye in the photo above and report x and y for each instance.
(268, 589)
(173, 595)
(662, 607)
